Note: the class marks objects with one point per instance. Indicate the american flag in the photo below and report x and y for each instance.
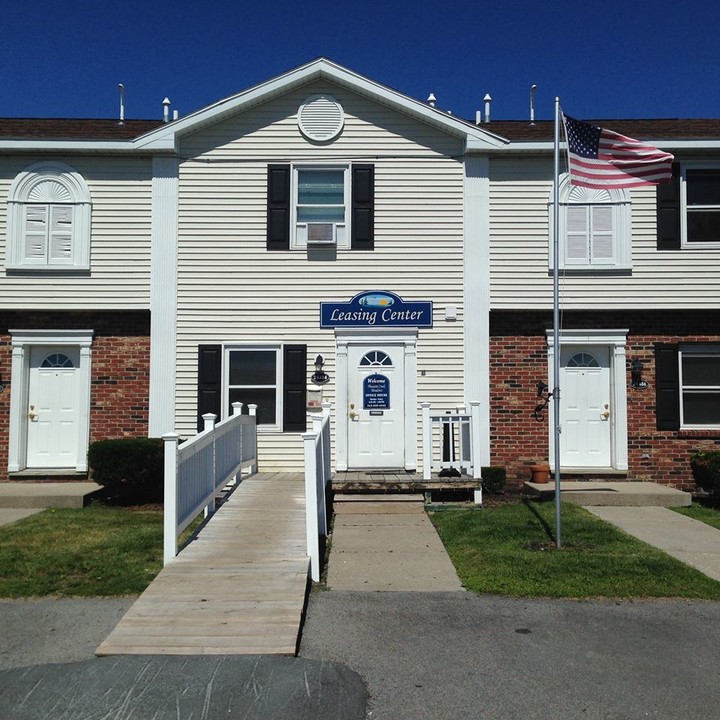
(603, 159)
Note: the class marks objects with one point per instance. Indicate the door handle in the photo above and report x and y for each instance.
(353, 416)
(32, 415)
(605, 415)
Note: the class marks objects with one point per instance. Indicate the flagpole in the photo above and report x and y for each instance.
(556, 321)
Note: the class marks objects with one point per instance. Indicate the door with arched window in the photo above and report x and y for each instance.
(586, 414)
(53, 407)
(376, 407)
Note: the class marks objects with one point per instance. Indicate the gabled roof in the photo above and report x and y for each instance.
(323, 69)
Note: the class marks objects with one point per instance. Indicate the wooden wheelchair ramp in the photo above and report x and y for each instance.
(238, 589)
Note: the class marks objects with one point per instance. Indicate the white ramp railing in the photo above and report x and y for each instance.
(196, 471)
(452, 440)
(317, 479)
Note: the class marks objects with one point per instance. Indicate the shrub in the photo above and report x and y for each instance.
(706, 470)
(131, 469)
(493, 479)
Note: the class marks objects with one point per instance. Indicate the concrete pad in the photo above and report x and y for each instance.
(378, 550)
(352, 520)
(45, 494)
(167, 688)
(688, 540)
(378, 508)
(393, 572)
(379, 497)
(386, 538)
(626, 493)
(11, 515)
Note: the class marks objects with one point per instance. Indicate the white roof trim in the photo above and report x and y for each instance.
(320, 69)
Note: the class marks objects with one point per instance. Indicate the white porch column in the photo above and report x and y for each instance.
(476, 292)
(163, 296)
(18, 405)
(341, 415)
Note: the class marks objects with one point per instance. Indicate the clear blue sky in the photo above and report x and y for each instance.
(611, 59)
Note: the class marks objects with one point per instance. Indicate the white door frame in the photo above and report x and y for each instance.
(615, 341)
(22, 341)
(405, 337)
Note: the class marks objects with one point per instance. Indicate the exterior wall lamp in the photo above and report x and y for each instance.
(636, 369)
(544, 395)
(319, 377)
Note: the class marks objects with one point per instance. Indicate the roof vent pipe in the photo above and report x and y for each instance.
(166, 109)
(121, 88)
(431, 100)
(176, 114)
(478, 117)
(487, 100)
(532, 104)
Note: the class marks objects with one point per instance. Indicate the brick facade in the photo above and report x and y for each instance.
(518, 360)
(120, 371)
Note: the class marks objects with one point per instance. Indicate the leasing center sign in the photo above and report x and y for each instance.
(376, 308)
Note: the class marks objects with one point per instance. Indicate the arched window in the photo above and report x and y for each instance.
(376, 358)
(48, 219)
(594, 228)
(57, 360)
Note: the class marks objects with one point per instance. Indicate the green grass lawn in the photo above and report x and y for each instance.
(708, 515)
(93, 551)
(510, 550)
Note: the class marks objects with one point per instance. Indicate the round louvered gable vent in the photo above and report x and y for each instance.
(321, 118)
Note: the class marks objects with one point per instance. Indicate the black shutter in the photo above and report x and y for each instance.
(668, 212)
(667, 387)
(278, 207)
(363, 207)
(209, 382)
(294, 388)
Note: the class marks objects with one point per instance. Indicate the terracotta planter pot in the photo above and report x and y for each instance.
(539, 473)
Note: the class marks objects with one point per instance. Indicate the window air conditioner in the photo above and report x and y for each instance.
(321, 234)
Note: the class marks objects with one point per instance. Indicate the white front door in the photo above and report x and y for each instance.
(585, 407)
(53, 407)
(376, 407)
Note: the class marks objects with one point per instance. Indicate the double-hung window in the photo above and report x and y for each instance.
(594, 229)
(271, 376)
(254, 377)
(701, 199)
(321, 206)
(48, 219)
(699, 367)
(315, 205)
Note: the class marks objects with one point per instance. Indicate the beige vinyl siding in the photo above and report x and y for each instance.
(119, 276)
(520, 190)
(231, 289)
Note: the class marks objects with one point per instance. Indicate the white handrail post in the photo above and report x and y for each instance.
(318, 421)
(170, 519)
(475, 447)
(252, 412)
(237, 410)
(209, 420)
(326, 407)
(311, 503)
(427, 441)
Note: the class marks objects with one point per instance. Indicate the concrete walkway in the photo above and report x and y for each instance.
(688, 540)
(387, 543)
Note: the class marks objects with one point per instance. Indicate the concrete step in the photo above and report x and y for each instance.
(46, 494)
(617, 494)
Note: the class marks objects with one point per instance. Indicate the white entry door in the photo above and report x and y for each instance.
(53, 407)
(585, 407)
(376, 407)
